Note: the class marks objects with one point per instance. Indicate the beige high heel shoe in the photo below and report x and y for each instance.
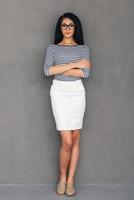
(70, 191)
(61, 187)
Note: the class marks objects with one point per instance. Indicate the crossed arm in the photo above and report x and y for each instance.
(75, 71)
(80, 68)
(67, 70)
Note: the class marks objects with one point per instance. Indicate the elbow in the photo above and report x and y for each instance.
(46, 71)
(86, 76)
(86, 73)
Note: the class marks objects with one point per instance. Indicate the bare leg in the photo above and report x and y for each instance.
(65, 152)
(74, 155)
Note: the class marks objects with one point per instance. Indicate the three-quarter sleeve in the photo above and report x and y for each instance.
(49, 60)
(85, 54)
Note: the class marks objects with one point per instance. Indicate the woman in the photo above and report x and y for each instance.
(68, 61)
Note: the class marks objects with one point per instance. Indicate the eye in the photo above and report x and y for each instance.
(71, 25)
(63, 25)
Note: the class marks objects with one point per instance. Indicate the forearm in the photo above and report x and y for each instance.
(79, 72)
(58, 69)
(73, 72)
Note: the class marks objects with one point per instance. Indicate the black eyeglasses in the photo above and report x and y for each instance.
(70, 26)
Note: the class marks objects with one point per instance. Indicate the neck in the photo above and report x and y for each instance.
(68, 41)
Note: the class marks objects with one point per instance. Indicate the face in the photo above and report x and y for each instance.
(67, 27)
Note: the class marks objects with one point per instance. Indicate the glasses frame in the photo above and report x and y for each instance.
(67, 25)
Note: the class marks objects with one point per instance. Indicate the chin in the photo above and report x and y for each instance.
(68, 35)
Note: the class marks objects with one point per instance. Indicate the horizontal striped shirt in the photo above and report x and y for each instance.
(63, 54)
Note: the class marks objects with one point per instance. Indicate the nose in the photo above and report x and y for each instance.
(67, 27)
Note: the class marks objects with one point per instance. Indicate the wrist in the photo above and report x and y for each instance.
(72, 65)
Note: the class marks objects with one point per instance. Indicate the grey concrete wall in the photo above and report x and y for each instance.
(29, 142)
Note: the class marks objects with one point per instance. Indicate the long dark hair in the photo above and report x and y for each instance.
(78, 34)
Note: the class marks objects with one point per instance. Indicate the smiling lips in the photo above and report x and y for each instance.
(68, 33)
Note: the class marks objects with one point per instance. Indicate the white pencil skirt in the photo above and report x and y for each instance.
(68, 103)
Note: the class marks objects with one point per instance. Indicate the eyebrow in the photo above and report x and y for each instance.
(68, 24)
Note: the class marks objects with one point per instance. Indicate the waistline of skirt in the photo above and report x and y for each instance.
(76, 82)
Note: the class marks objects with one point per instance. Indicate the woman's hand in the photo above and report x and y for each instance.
(82, 63)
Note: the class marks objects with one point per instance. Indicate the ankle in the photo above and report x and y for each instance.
(70, 180)
(63, 177)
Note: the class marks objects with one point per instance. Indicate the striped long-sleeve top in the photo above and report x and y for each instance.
(62, 54)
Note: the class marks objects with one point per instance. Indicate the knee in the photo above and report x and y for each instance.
(76, 137)
(67, 145)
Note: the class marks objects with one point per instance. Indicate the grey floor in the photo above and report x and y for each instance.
(84, 192)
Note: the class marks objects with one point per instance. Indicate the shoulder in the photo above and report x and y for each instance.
(85, 47)
(50, 48)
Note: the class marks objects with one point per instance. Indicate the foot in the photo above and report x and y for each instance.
(70, 190)
(61, 187)
(70, 180)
